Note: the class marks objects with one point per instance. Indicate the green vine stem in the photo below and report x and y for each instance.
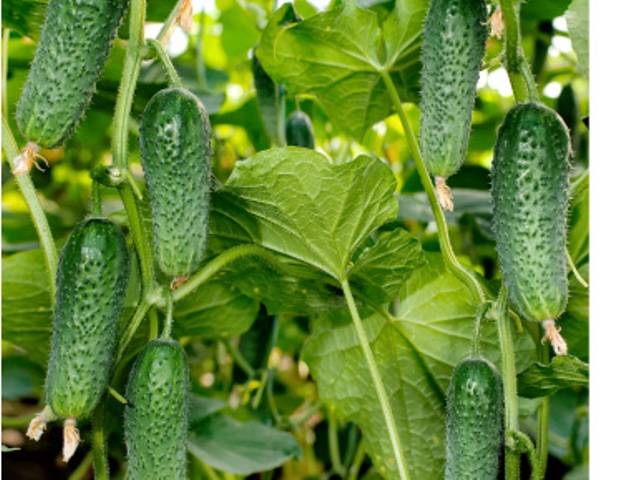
(524, 445)
(239, 359)
(574, 270)
(174, 78)
(6, 35)
(451, 261)
(132, 327)
(377, 381)
(509, 377)
(29, 193)
(168, 323)
(96, 199)
(98, 443)
(334, 443)
(521, 78)
(83, 468)
(360, 455)
(170, 22)
(222, 260)
(542, 439)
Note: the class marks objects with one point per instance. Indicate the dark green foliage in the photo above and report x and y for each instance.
(474, 422)
(530, 189)
(91, 282)
(269, 99)
(175, 153)
(73, 47)
(299, 130)
(454, 43)
(156, 417)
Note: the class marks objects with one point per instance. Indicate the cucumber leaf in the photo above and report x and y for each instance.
(540, 380)
(240, 448)
(416, 351)
(577, 21)
(337, 56)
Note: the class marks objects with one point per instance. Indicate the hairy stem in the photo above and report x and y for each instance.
(450, 259)
(221, 261)
(334, 444)
(6, 35)
(542, 438)
(98, 442)
(174, 78)
(377, 382)
(509, 377)
(521, 78)
(83, 468)
(170, 22)
(168, 323)
(133, 325)
(360, 455)
(96, 198)
(239, 359)
(37, 214)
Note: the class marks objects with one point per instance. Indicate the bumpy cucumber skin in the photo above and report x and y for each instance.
(474, 421)
(156, 417)
(530, 187)
(175, 153)
(454, 44)
(74, 45)
(92, 280)
(299, 130)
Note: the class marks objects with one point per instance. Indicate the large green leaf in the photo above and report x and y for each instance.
(338, 56)
(240, 448)
(214, 311)
(26, 306)
(577, 21)
(540, 380)
(305, 207)
(416, 351)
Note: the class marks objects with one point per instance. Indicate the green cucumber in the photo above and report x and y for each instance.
(530, 187)
(474, 421)
(92, 280)
(175, 153)
(74, 45)
(156, 417)
(454, 44)
(299, 130)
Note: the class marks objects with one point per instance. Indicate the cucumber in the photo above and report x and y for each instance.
(299, 130)
(175, 153)
(156, 417)
(454, 44)
(474, 421)
(74, 45)
(92, 280)
(530, 187)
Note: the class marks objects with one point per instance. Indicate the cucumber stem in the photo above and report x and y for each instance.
(168, 323)
(27, 188)
(574, 270)
(509, 376)
(450, 259)
(521, 78)
(130, 330)
(377, 381)
(221, 261)
(96, 199)
(174, 78)
(334, 443)
(542, 439)
(98, 443)
(170, 22)
(360, 455)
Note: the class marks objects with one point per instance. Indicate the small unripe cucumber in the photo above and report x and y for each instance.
(299, 130)
(175, 153)
(530, 187)
(73, 47)
(454, 44)
(474, 421)
(92, 279)
(156, 417)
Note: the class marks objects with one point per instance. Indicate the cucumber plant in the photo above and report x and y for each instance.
(454, 47)
(300, 245)
(91, 286)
